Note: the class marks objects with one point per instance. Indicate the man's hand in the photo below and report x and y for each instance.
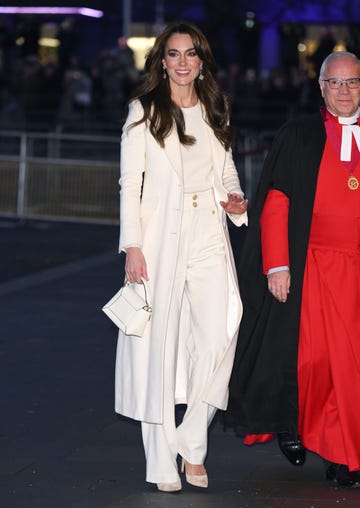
(279, 285)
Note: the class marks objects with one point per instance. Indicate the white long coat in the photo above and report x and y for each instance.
(153, 222)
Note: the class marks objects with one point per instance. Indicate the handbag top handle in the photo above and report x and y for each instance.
(146, 293)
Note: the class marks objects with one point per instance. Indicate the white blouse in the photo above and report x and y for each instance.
(197, 158)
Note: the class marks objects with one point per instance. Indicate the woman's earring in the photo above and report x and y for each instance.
(164, 74)
(201, 75)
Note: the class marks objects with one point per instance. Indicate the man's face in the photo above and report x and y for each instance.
(342, 101)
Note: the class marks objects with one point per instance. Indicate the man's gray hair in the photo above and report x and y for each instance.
(333, 56)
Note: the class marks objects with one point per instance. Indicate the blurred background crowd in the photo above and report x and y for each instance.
(68, 68)
(44, 90)
(54, 74)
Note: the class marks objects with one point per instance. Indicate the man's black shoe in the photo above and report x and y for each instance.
(342, 476)
(292, 448)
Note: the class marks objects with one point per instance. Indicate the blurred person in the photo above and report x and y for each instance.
(28, 31)
(114, 98)
(7, 45)
(126, 70)
(274, 98)
(291, 34)
(309, 95)
(50, 92)
(98, 92)
(246, 102)
(297, 366)
(77, 90)
(352, 38)
(68, 38)
(28, 86)
(124, 54)
(178, 185)
(325, 47)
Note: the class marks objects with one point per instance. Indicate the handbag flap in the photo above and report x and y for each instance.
(129, 294)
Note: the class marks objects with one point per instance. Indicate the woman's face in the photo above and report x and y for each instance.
(181, 62)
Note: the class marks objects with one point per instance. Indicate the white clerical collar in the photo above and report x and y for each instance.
(348, 120)
(350, 129)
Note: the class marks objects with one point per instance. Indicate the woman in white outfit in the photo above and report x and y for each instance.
(178, 184)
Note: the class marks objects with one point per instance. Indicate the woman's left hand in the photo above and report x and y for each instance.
(235, 204)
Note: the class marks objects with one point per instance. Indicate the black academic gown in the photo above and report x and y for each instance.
(264, 385)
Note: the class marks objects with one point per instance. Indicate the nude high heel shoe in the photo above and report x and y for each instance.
(194, 479)
(169, 487)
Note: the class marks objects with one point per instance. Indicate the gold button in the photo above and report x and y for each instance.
(194, 204)
(195, 196)
(213, 211)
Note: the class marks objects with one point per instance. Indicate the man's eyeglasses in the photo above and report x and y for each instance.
(336, 83)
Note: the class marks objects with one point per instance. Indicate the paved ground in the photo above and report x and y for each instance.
(61, 444)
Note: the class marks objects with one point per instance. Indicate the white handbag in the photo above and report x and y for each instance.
(130, 311)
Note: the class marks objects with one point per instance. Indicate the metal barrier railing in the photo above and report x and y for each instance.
(64, 176)
(59, 176)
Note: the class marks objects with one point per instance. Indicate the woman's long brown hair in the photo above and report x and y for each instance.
(160, 112)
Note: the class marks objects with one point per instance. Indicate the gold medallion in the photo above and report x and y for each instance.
(353, 182)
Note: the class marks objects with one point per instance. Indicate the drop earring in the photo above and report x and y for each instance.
(201, 75)
(164, 73)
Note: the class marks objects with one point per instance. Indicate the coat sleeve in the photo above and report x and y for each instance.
(232, 185)
(274, 231)
(132, 167)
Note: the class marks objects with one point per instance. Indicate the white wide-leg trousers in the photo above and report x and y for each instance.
(202, 275)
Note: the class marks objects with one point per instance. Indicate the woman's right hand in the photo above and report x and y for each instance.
(135, 265)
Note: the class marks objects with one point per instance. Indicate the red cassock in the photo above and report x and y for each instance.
(329, 341)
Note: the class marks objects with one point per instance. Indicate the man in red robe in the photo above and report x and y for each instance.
(297, 366)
